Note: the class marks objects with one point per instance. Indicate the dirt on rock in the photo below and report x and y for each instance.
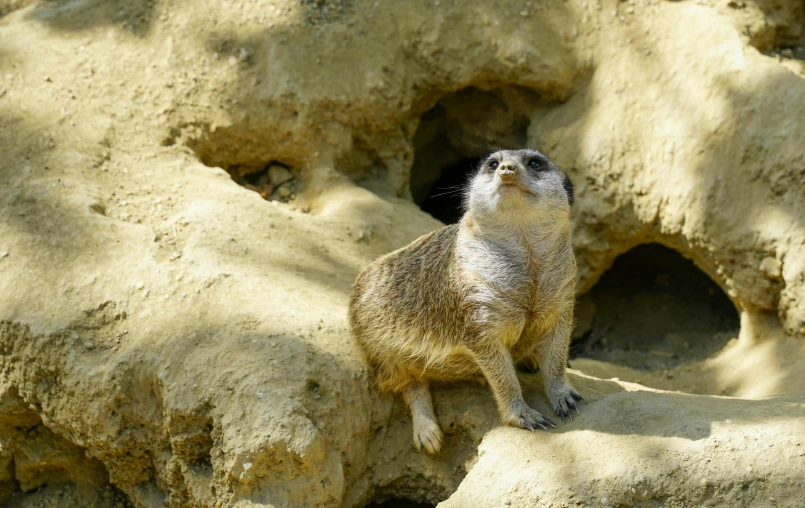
(190, 188)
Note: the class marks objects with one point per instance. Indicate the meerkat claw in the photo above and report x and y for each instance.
(574, 406)
(530, 420)
(562, 412)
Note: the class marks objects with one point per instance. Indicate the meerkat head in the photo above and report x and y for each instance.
(519, 185)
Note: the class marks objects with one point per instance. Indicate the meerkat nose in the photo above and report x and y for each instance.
(507, 171)
(507, 166)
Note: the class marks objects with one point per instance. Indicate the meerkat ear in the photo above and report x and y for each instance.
(568, 185)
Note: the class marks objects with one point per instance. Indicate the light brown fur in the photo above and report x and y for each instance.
(474, 299)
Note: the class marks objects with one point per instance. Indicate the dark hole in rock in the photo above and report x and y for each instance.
(794, 52)
(274, 181)
(400, 503)
(202, 464)
(654, 310)
(455, 134)
(445, 200)
(412, 489)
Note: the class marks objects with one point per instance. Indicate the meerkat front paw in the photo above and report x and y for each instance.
(563, 398)
(427, 435)
(526, 418)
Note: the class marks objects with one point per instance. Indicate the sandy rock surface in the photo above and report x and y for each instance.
(173, 321)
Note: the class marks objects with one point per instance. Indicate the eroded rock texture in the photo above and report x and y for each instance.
(170, 337)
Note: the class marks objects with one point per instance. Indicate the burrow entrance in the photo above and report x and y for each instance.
(654, 310)
(400, 503)
(243, 153)
(455, 134)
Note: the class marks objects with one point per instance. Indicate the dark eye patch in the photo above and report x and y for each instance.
(537, 164)
(568, 185)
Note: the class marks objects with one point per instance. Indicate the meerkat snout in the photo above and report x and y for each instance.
(508, 166)
(507, 171)
(477, 297)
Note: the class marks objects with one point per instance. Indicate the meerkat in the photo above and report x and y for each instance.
(478, 297)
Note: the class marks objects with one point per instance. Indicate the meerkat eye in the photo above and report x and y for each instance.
(535, 164)
(493, 165)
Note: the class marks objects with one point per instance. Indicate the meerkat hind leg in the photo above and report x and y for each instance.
(427, 434)
(529, 365)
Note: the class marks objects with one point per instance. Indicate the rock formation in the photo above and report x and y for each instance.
(189, 189)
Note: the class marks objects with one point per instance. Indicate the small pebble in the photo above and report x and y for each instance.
(278, 175)
(89, 345)
(247, 466)
(4, 254)
(259, 395)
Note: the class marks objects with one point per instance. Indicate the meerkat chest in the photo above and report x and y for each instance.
(523, 272)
